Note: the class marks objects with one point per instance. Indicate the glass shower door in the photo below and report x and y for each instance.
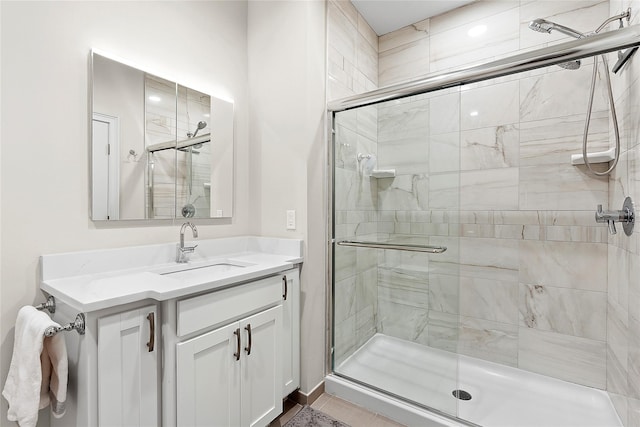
(395, 251)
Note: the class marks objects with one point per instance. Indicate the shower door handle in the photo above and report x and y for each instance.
(394, 246)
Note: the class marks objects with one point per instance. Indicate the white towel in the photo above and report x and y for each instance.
(38, 369)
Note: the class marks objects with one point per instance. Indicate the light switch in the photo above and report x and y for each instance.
(291, 220)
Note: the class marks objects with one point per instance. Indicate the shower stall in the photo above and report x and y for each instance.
(468, 274)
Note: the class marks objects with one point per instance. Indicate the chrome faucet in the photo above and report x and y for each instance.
(626, 217)
(182, 253)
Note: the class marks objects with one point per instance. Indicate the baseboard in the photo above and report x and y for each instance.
(307, 399)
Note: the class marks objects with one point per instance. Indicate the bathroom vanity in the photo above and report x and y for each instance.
(214, 341)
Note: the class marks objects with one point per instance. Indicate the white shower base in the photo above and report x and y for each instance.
(501, 395)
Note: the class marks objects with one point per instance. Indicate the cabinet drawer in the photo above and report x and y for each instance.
(212, 309)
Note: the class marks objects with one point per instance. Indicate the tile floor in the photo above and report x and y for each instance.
(341, 410)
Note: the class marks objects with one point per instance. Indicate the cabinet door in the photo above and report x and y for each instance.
(208, 379)
(262, 367)
(291, 332)
(127, 369)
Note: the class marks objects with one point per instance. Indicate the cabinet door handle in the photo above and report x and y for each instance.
(237, 334)
(248, 348)
(284, 279)
(152, 331)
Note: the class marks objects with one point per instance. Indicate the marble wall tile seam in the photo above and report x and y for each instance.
(563, 285)
(617, 374)
(482, 222)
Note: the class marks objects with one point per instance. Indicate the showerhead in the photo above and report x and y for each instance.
(570, 65)
(543, 26)
(540, 25)
(201, 125)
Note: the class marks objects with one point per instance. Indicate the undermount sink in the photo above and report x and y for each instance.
(222, 266)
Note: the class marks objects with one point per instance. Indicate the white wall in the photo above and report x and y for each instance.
(287, 80)
(44, 126)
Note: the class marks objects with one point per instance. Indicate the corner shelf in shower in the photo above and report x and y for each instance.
(383, 173)
(597, 157)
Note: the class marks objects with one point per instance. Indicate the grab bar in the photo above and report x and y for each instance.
(77, 325)
(394, 246)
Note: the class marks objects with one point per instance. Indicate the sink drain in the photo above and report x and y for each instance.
(461, 394)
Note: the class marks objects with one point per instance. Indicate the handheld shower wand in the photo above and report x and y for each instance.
(544, 26)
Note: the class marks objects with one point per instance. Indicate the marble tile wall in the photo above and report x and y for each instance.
(352, 69)
(623, 296)
(528, 271)
(530, 280)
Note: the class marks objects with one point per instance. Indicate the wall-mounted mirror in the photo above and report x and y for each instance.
(159, 150)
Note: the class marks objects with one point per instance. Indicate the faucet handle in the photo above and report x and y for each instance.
(612, 226)
(189, 249)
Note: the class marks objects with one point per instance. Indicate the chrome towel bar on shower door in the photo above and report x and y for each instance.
(394, 246)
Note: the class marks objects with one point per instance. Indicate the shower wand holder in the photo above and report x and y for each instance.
(626, 217)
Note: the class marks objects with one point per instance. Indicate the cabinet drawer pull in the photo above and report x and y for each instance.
(248, 348)
(284, 279)
(152, 331)
(237, 334)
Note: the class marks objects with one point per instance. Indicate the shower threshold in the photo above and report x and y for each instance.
(501, 396)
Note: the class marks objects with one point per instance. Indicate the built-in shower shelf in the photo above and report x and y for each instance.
(383, 173)
(597, 157)
(206, 185)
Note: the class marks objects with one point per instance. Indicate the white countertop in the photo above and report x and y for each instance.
(94, 280)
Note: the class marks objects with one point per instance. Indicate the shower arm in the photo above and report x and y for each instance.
(620, 17)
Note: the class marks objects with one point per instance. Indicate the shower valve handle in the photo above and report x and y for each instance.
(607, 217)
(625, 216)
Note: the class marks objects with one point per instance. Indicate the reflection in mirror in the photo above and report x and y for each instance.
(117, 131)
(159, 150)
(193, 180)
(160, 141)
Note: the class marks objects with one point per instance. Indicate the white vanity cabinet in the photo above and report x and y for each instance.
(212, 342)
(232, 376)
(114, 368)
(291, 331)
(236, 353)
(128, 392)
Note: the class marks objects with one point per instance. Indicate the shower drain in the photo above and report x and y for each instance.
(461, 394)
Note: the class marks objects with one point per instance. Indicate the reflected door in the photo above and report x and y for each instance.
(105, 168)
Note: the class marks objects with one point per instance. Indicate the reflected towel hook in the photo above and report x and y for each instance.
(132, 153)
